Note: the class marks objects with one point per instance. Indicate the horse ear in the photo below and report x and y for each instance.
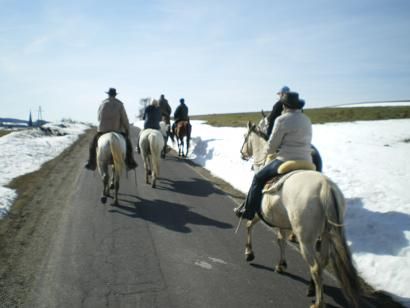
(249, 124)
(263, 113)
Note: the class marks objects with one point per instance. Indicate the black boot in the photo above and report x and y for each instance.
(239, 210)
(90, 165)
(129, 158)
(92, 158)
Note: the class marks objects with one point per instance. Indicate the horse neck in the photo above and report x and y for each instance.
(258, 146)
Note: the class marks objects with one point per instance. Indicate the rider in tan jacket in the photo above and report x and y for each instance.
(112, 117)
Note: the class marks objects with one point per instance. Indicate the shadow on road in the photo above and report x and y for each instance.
(333, 292)
(175, 217)
(193, 187)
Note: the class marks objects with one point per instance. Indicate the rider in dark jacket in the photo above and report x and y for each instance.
(152, 117)
(180, 114)
(276, 110)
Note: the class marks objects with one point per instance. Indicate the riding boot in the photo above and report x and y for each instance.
(239, 210)
(92, 158)
(129, 157)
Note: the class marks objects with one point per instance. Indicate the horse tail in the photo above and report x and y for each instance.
(333, 201)
(117, 154)
(156, 144)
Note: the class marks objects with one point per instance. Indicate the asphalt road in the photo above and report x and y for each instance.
(173, 246)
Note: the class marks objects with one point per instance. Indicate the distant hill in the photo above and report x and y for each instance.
(11, 120)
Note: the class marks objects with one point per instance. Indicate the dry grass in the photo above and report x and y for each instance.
(320, 115)
(4, 132)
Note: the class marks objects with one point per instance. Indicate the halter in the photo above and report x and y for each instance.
(258, 132)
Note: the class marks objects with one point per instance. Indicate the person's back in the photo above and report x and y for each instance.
(152, 116)
(165, 109)
(112, 116)
(181, 113)
(292, 136)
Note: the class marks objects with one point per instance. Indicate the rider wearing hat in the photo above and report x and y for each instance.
(276, 110)
(291, 138)
(112, 117)
(180, 114)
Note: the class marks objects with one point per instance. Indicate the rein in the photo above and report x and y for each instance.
(259, 133)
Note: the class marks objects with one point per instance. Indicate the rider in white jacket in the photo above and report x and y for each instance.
(291, 138)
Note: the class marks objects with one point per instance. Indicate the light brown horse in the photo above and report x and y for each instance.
(183, 130)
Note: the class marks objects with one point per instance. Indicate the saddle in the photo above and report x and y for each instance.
(285, 170)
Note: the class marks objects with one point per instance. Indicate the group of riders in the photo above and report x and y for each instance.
(112, 117)
(289, 136)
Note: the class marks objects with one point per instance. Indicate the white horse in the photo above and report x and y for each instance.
(151, 144)
(111, 149)
(312, 206)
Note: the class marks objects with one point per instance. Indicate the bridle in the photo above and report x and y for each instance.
(258, 132)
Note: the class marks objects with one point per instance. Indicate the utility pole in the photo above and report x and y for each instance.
(40, 116)
(30, 120)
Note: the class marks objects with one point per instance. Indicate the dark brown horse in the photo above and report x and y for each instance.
(183, 129)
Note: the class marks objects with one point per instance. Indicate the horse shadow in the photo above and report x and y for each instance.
(375, 232)
(172, 216)
(330, 291)
(194, 187)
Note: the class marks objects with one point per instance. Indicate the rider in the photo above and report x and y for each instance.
(152, 117)
(112, 117)
(291, 137)
(276, 112)
(166, 113)
(180, 114)
(276, 109)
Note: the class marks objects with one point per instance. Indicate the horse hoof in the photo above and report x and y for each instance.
(280, 268)
(104, 199)
(250, 257)
(311, 289)
(112, 186)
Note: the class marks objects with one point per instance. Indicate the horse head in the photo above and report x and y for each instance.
(253, 146)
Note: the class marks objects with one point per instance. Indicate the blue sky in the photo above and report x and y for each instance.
(221, 56)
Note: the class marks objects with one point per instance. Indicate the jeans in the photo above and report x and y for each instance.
(254, 197)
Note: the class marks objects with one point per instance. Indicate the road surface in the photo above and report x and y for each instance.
(173, 246)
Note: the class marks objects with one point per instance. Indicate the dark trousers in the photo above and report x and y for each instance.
(254, 197)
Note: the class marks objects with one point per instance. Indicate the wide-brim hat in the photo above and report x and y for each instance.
(292, 101)
(112, 91)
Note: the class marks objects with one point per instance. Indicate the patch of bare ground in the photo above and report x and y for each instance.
(26, 231)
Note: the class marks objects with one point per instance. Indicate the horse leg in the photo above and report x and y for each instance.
(249, 255)
(322, 248)
(187, 146)
(282, 265)
(117, 188)
(112, 184)
(182, 146)
(315, 266)
(106, 187)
